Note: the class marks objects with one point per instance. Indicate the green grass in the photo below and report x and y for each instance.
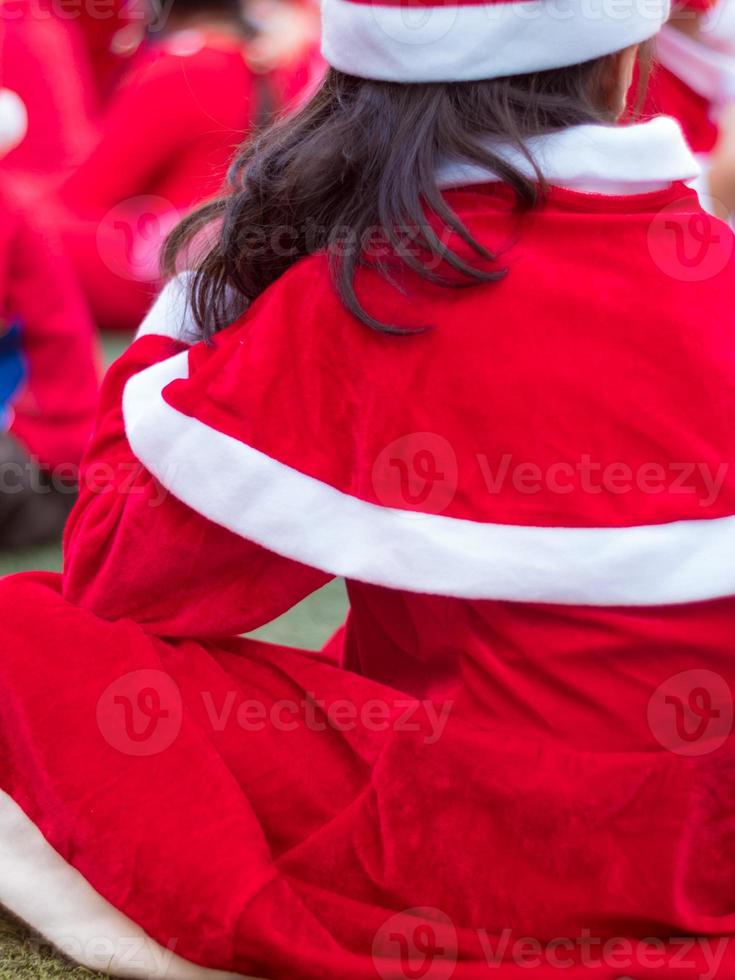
(24, 956)
(309, 625)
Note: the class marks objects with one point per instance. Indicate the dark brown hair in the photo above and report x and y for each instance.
(363, 156)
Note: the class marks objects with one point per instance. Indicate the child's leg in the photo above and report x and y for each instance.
(33, 511)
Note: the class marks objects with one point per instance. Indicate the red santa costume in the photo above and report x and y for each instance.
(532, 504)
(48, 369)
(167, 139)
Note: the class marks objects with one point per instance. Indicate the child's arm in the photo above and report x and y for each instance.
(55, 410)
(132, 550)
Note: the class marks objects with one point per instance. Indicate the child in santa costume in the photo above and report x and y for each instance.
(189, 98)
(469, 345)
(43, 60)
(48, 369)
(694, 81)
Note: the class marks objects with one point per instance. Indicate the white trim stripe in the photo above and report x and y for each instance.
(171, 315)
(593, 159)
(703, 68)
(299, 517)
(477, 41)
(39, 887)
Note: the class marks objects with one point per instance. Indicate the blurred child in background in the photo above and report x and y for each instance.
(190, 96)
(44, 61)
(48, 374)
(112, 33)
(694, 81)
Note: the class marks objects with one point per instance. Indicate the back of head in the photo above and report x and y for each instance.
(411, 88)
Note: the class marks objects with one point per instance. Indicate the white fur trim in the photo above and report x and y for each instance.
(39, 887)
(13, 120)
(311, 522)
(597, 159)
(718, 27)
(462, 43)
(170, 315)
(702, 187)
(703, 68)
(591, 159)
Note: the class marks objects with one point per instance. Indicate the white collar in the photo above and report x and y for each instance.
(596, 159)
(706, 69)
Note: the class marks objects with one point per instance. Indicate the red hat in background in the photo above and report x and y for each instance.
(697, 6)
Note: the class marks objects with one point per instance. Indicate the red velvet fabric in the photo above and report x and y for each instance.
(496, 762)
(670, 96)
(166, 142)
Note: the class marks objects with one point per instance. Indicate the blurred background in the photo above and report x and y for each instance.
(116, 118)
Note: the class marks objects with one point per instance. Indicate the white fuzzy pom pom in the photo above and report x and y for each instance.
(13, 120)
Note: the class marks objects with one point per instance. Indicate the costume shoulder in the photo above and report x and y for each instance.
(532, 443)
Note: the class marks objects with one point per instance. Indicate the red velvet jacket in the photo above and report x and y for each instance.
(544, 470)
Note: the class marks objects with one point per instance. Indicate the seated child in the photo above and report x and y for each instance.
(48, 371)
(167, 137)
(466, 341)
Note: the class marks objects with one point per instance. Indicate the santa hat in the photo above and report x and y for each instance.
(435, 41)
(13, 121)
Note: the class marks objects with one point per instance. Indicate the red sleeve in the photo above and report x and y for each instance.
(55, 412)
(164, 104)
(132, 550)
(140, 132)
